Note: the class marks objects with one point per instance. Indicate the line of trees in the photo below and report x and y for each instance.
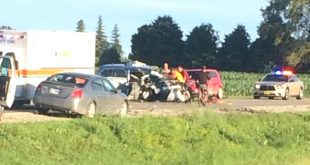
(284, 37)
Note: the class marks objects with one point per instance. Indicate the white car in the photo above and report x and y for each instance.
(282, 84)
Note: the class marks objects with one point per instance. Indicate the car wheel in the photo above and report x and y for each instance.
(286, 95)
(300, 95)
(41, 110)
(256, 97)
(270, 98)
(124, 109)
(220, 93)
(91, 110)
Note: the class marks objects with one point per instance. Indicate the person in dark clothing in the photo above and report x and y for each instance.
(202, 79)
(203, 76)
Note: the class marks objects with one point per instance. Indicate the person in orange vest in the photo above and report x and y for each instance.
(183, 72)
(177, 75)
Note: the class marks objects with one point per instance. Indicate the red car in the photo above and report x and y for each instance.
(215, 84)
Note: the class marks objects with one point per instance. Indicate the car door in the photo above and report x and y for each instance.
(7, 81)
(114, 100)
(293, 86)
(100, 96)
(212, 84)
(296, 85)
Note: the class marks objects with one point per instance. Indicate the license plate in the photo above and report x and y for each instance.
(54, 91)
(267, 92)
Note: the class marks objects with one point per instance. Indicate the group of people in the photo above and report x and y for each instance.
(182, 76)
(175, 73)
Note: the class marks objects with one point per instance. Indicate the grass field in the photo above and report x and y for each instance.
(241, 84)
(202, 138)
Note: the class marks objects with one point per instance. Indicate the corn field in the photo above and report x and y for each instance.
(241, 84)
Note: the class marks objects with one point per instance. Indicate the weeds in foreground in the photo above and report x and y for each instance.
(200, 138)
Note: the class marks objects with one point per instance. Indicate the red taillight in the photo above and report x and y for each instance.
(77, 93)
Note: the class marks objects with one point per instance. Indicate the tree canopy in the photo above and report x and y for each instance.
(234, 53)
(159, 42)
(201, 46)
(80, 26)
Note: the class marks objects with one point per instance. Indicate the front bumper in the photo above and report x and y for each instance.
(269, 93)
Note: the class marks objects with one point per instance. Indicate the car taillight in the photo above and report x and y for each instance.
(77, 93)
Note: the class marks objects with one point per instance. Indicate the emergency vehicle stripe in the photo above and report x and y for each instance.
(45, 71)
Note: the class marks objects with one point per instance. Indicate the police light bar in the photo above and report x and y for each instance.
(283, 72)
(287, 72)
(278, 72)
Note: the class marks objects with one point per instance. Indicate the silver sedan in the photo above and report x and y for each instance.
(80, 93)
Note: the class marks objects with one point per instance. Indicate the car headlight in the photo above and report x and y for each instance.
(257, 86)
(279, 86)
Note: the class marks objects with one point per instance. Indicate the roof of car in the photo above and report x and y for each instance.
(123, 66)
(192, 70)
(82, 75)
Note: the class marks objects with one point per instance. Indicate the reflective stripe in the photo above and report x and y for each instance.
(45, 71)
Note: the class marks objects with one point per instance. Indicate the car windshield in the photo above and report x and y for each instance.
(114, 73)
(63, 78)
(276, 78)
(194, 74)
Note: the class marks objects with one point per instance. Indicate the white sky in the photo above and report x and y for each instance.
(224, 15)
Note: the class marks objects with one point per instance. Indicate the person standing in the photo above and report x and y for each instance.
(202, 78)
(184, 73)
(177, 76)
(166, 70)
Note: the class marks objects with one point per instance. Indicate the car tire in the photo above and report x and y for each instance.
(220, 93)
(256, 97)
(270, 98)
(42, 111)
(286, 95)
(91, 111)
(300, 95)
(123, 109)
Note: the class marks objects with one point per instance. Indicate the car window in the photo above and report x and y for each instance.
(107, 73)
(295, 78)
(212, 74)
(194, 74)
(276, 78)
(6, 63)
(291, 79)
(120, 73)
(114, 73)
(71, 79)
(97, 85)
(108, 86)
(57, 78)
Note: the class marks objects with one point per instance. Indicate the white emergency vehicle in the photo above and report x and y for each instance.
(27, 58)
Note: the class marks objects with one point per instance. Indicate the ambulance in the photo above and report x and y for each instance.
(29, 57)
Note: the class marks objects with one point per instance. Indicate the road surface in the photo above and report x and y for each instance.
(28, 113)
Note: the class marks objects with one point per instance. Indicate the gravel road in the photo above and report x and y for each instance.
(28, 113)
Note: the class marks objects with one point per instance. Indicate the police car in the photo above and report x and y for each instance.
(279, 83)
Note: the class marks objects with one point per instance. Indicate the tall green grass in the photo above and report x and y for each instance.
(241, 84)
(202, 138)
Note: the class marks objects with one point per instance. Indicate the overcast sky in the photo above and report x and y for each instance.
(224, 15)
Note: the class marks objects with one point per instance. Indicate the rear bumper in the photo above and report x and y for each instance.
(64, 105)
